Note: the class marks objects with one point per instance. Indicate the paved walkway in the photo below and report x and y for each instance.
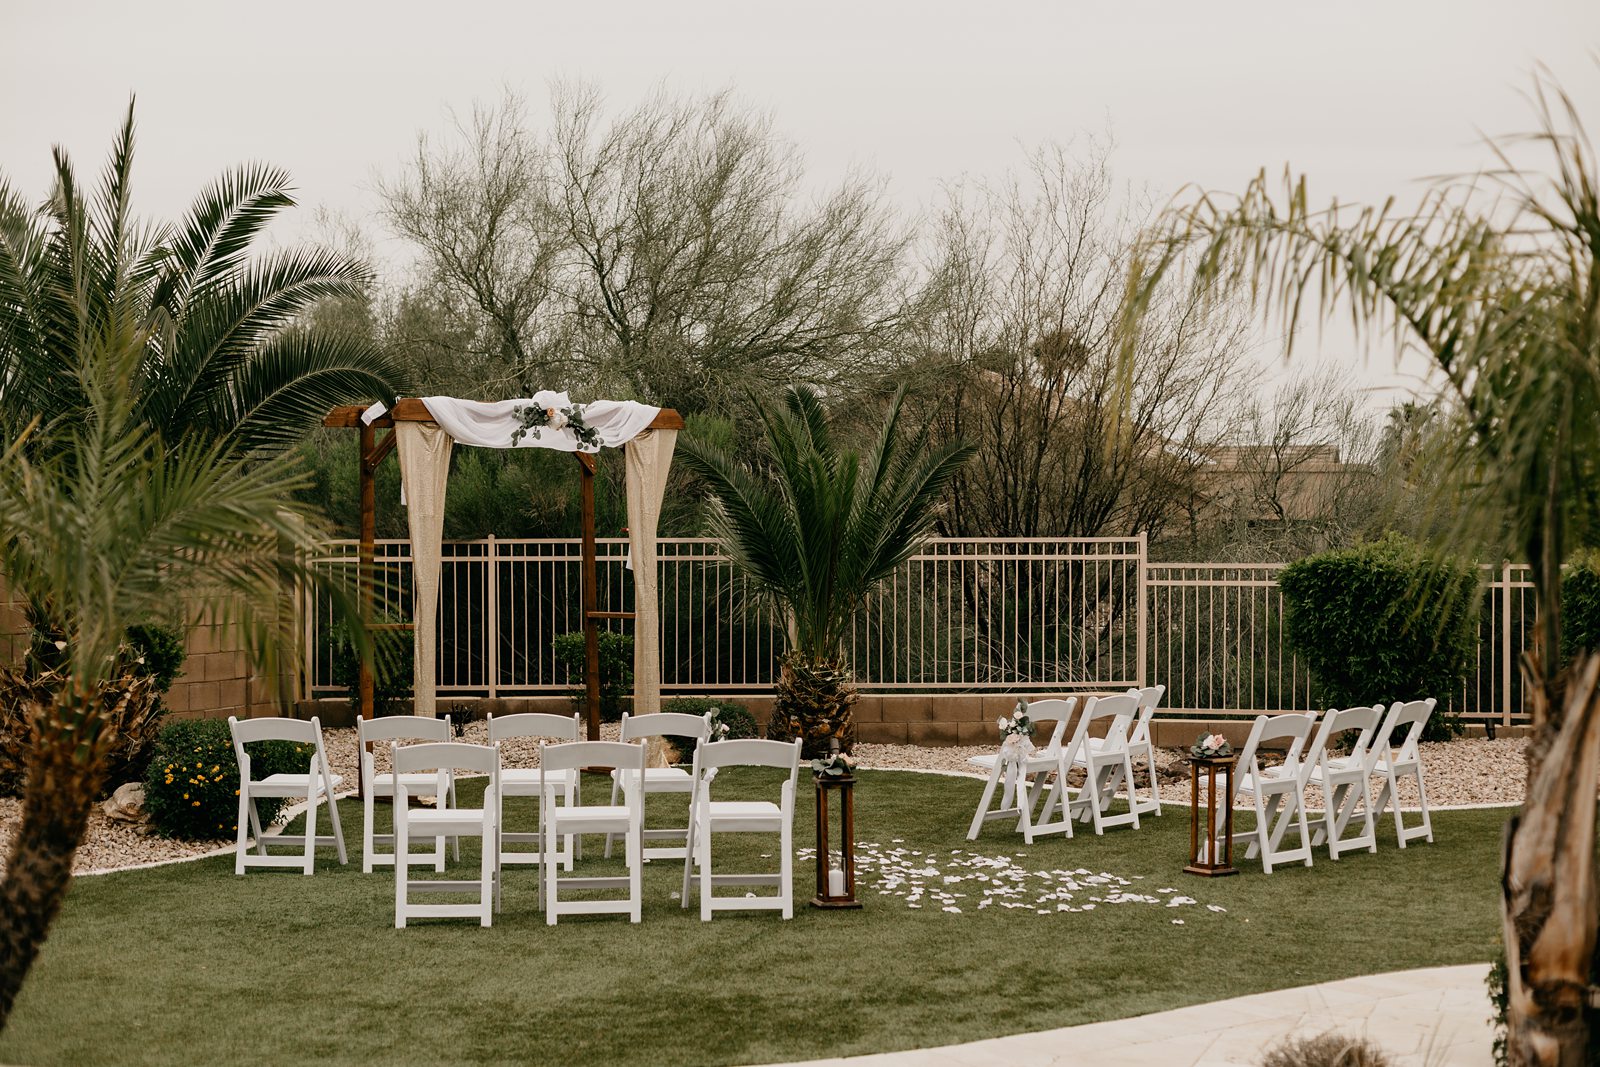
(1438, 1017)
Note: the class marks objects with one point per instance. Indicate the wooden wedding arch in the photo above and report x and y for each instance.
(374, 449)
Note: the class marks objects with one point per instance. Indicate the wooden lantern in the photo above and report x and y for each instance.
(1204, 857)
(836, 888)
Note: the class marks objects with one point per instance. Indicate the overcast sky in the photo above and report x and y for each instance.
(1364, 95)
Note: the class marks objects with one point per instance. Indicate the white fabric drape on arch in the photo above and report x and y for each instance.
(424, 450)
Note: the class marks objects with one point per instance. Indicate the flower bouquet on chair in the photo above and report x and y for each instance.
(1016, 734)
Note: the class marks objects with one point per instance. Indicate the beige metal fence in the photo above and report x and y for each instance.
(963, 615)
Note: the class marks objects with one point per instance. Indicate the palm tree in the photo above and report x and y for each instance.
(1503, 293)
(107, 524)
(816, 527)
(226, 352)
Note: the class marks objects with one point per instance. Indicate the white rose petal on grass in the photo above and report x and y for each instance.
(953, 910)
(1215, 907)
(1177, 922)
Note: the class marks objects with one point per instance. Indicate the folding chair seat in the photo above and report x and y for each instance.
(1394, 763)
(440, 785)
(316, 786)
(557, 766)
(1277, 794)
(710, 817)
(1344, 780)
(641, 729)
(1106, 765)
(529, 781)
(431, 760)
(1022, 784)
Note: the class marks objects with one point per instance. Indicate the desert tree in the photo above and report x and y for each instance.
(1496, 278)
(1017, 341)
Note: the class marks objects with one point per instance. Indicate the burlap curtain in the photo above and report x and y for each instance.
(424, 451)
(648, 459)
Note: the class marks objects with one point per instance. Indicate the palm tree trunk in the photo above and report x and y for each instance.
(70, 737)
(814, 701)
(1548, 888)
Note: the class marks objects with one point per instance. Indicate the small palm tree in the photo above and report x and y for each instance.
(225, 350)
(816, 527)
(107, 525)
(1504, 294)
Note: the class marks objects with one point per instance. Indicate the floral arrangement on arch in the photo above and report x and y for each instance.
(1016, 734)
(833, 765)
(534, 418)
(1210, 746)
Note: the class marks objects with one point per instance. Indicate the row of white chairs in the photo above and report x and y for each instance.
(428, 766)
(1109, 743)
(1382, 745)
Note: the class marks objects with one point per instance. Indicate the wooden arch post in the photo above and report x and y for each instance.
(373, 452)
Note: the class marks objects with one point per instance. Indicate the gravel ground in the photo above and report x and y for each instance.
(1475, 771)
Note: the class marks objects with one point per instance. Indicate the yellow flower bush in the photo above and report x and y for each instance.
(192, 785)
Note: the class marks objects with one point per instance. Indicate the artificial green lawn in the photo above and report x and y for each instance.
(189, 964)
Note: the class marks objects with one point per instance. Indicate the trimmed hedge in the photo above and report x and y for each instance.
(1580, 606)
(737, 718)
(191, 788)
(392, 665)
(1383, 622)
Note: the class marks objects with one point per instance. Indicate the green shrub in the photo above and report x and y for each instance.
(191, 788)
(616, 670)
(1383, 622)
(1580, 606)
(737, 718)
(159, 653)
(392, 665)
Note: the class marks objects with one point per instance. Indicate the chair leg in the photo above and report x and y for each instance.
(690, 844)
(486, 872)
(1133, 794)
(547, 874)
(615, 785)
(367, 810)
(1422, 798)
(1300, 811)
(402, 873)
(456, 841)
(705, 873)
(311, 830)
(635, 846)
(338, 827)
(983, 803)
(243, 827)
(257, 829)
(786, 869)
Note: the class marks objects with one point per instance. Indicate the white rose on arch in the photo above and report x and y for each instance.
(555, 418)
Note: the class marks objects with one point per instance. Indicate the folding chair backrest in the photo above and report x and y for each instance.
(1364, 720)
(1148, 698)
(1120, 709)
(666, 724)
(404, 728)
(1402, 729)
(601, 754)
(1294, 727)
(447, 755)
(536, 724)
(1058, 709)
(784, 755)
(298, 731)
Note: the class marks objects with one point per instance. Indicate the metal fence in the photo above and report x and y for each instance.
(963, 615)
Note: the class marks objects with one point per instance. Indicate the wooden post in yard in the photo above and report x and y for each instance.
(366, 563)
(591, 622)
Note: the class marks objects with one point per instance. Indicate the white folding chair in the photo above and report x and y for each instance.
(641, 728)
(1277, 794)
(1140, 748)
(709, 817)
(316, 785)
(1024, 783)
(1344, 780)
(1106, 765)
(1393, 763)
(429, 760)
(557, 764)
(441, 786)
(526, 781)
